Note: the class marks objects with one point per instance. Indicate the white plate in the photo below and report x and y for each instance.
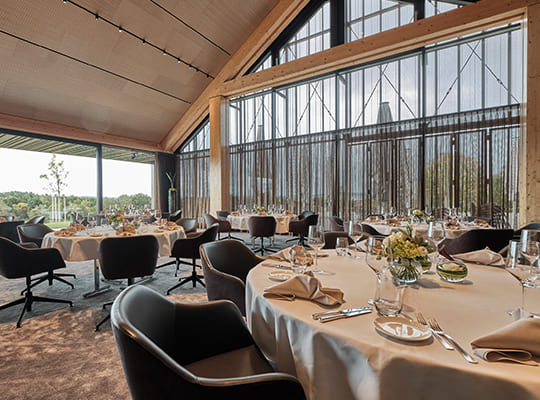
(402, 328)
(280, 276)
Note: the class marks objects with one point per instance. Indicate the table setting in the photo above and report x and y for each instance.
(444, 326)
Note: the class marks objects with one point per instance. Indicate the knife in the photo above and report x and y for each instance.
(345, 314)
(334, 312)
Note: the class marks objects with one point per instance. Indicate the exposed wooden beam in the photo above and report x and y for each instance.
(462, 21)
(68, 132)
(274, 23)
(529, 173)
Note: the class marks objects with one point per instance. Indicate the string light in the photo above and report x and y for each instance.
(143, 40)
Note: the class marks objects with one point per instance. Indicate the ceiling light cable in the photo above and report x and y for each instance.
(143, 40)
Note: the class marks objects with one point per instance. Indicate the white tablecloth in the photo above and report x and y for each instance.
(422, 229)
(348, 359)
(82, 247)
(240, 222)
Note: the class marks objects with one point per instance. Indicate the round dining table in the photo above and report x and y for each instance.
(83, 246)
(349, 359)
(240, 222)
(421, 229)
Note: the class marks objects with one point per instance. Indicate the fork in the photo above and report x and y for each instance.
(444, 342)
(437, 328)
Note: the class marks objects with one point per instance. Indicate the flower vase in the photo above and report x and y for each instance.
(406, 270)
(172, 201)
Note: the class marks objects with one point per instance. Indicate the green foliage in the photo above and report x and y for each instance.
(56, 177)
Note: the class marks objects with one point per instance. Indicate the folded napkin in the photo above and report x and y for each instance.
(301, 255)
(308, 287)
(484, 256)
(171, 226)
(66, 232)
(517, 342)
(481, 222)
(126, 230)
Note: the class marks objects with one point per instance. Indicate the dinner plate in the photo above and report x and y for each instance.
(280, 276)
(96, 235)
(402, 329)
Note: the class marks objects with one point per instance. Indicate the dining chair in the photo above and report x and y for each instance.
(301, 228)
(17, 262)
(222, 214)
(532, 225)
(336, 224)
(8, 230)
(224, 226)
(368, 229)
(262, 227)
(39, 219)
(127, 257)
(34, 233)
(175, 216)
(330, 239)
(225, 266)
(477, 239)
(189, 248)
(305, 214)
(172, 350)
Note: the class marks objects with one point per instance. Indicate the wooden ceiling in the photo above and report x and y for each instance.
(67, 73)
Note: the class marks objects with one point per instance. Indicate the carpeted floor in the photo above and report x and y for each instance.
(56, 354)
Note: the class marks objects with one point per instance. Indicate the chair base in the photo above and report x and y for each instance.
(29, 299)
(107, 317)
(262, 249)
(194, 277)
(229, 236)
(50, 277)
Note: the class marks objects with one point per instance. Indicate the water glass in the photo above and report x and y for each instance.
(341, 246)
(389, 295)
(315, 240)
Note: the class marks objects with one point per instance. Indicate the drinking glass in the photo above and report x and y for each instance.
(341, 246)
(315, 240)
(389, 295)
(529, 245)
(355, 233)
(517, 265)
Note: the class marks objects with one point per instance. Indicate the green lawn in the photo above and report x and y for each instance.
(56, 225)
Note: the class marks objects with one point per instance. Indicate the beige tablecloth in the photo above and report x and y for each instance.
(422, 229)
(82, 247)
(348, 359)
(240, 222)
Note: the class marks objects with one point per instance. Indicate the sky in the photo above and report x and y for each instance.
(21, 170)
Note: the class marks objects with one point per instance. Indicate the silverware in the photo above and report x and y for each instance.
(328, 318)
(422, 321)
(333, 312)
(436, 328)
(279, 266)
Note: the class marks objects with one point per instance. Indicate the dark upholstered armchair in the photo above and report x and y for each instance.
(477, 239)
(262, 227)
(34, 233)
(19, 262)
(8, 230)
(224, 225)
(301, 227)
(175, 216)
(189, 248)
(128, 258)
(40, 219)
(336, 224)
(189, 224)
(330, 239)
(305, 214)
(225, 266)
(192, 351)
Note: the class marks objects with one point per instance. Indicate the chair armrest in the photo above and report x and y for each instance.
(29, 245)
(220, 285)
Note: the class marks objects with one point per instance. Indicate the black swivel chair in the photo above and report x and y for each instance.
(189, 224)
(189, 248)
(225, 266)
(128, 258)
(330, 239)
(192, 351)
(224, 226)
(336, 224)
(301, 228)
(39, 219)
(8, 230)
(371, 231)
(222, 214)
(175, 216)
(477, 239)
(19, 262)
(34, 233)
(262, 227)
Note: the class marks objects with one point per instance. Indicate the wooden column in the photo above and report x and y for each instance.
(219, 155)
(529, 194)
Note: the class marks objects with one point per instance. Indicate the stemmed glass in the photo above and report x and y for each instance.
(315, 240)
(375, 258)
(436, 234)
(355, 234)
(516, 262)
(529, 245)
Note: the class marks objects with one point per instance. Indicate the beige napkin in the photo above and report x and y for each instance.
(517, 342)
(485, 256)
(301, 257)
(305, 287)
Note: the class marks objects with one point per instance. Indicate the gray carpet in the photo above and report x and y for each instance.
(56, 354)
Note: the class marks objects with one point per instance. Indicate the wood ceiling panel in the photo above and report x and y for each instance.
(36, 83)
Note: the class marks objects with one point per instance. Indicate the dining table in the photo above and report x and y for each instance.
(421, 229)
(349, 359)
(83, 246)
(240, 222)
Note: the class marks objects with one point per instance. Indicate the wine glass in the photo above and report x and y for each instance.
(516, 264)
(375, 258)
(315, 240)
(529, 245)
(355, 233)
